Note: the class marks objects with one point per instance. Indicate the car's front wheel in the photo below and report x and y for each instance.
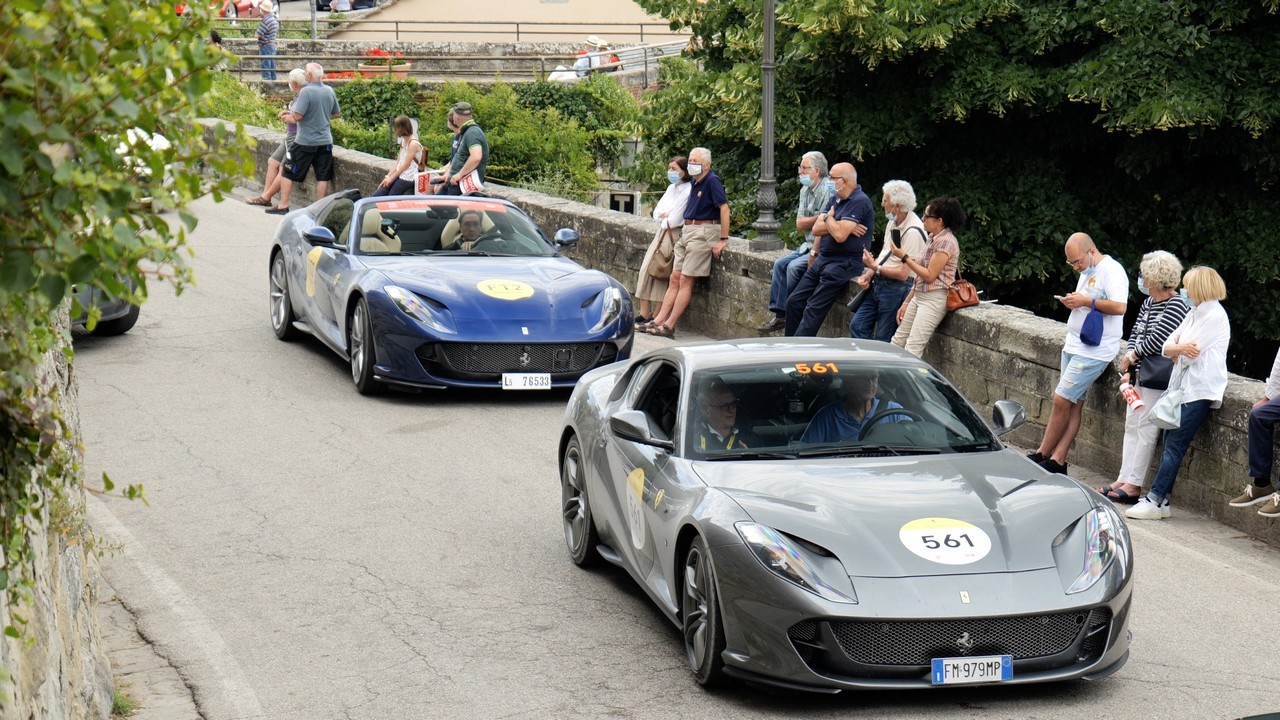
(360, 347)
(700, 610)
(579, 527)
(282, 317)
(120, 325)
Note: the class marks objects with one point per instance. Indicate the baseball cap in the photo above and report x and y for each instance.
(462, 108)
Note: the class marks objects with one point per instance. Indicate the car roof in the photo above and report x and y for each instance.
(722, 354)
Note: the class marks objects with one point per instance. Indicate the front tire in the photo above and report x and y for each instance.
(360, 347)
(282, 317)
(580, 534)
(119, 326)
(700, 612)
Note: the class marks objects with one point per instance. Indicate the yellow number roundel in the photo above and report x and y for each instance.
(505, 289)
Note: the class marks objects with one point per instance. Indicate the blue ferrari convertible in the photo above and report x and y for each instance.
(433, 292)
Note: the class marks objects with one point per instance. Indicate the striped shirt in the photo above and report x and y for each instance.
(1155, 321)
(268, 30)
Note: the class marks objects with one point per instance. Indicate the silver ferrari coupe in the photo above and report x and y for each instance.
(830, 514)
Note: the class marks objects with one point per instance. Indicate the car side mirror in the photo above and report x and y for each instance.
(321, 236)
(634, 425)
(566, 237)
(1008, 415)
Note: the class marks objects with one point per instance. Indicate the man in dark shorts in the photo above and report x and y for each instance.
(315, 108)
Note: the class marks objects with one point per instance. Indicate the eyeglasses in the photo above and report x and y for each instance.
(927, 216)
(726, 407)
(839, 178)
(806, 168)
(1075, 264)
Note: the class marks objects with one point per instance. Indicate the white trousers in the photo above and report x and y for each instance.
(924, 314)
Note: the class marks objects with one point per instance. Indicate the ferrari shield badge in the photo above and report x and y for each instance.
(505, 289)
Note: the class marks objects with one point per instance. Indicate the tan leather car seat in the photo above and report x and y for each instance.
(372, 239)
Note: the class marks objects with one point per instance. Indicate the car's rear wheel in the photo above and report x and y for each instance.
(360, 346)
(120, 325)
(700, 610)
(579, 527)
(282, 317)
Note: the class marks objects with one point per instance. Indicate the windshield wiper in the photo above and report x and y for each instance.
(973, 447)
(862, 450)
(753, 455)
(468, 253)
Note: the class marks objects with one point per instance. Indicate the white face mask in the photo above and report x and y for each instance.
(695, 169)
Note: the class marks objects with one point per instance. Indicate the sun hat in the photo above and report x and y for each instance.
(597, 42)
(266, 6)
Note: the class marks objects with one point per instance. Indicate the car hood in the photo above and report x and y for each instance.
(530, 289)
(877, 514)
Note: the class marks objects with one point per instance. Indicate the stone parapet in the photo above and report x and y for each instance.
(990, 352)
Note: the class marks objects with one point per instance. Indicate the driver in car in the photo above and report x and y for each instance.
(842, 420)
(716, 428)
(470, 228)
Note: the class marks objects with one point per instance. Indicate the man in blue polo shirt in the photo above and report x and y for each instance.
(706, 232)
(840, 235)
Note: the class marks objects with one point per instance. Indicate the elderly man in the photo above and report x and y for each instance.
(716, 428)
(1103, 286)
(267, 35)
(1262, 443)
(887, 279)
(470, 153)
(841, 234)
(843, 420)
(706, 232)
(816, 191)
(313, 111)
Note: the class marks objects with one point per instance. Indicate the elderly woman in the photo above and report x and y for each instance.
(1199, 348)
(271, 185)
(886, 278)
(1147, 368)
(669, 212)
(926, 304)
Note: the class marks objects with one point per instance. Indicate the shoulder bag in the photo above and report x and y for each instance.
(1154, 371)
(664, 257)
(1166, 413)
(1091, 329)
(961, 293)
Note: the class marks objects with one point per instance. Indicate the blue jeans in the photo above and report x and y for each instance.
(787, 271)
(813, 296)
(1262, 438)
(879, 310)
(1176, 443)
(268, 65)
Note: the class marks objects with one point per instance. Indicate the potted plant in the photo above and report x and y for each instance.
(378, 61)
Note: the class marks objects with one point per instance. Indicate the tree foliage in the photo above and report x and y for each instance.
(75, 77)
(1148, 124)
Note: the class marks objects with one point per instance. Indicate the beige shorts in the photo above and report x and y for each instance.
(693, 249)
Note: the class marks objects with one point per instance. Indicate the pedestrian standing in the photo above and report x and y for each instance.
(314, 111)
(669, 212)
(268, 33)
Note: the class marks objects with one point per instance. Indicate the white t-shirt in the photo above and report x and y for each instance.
(1108, 281)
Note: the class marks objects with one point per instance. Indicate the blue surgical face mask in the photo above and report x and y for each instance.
(1187, 298)
(1089, 271)
(805, 180)
(673, 176)
(1142, 286)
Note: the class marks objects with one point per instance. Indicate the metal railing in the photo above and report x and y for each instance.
(436, 29)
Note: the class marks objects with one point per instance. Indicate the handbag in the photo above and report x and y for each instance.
(1091, 329)
(961, 293)
(1166, 413)
(1154, 371)
(661, 263)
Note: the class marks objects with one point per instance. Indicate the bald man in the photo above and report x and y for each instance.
(1103, 286)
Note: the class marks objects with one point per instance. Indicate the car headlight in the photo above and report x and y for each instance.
(413, 306)
(1103, 546)
(610, 308)
(785, 559)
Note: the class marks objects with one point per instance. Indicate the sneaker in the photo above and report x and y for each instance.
(1272, 508)
(773, 324)
(1253, 495)
(1147, 510)
(277, 211)
(1035, 457)
(1053, 466)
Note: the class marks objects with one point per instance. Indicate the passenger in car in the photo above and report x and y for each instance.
(843, 419)
(716, 428)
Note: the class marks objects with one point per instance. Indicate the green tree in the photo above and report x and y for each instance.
(80, 205)
(1149, 124)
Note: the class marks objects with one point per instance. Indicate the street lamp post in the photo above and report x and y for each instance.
(766, 226)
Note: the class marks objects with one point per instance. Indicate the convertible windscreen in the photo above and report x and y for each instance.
(819, 408)
(468, 228)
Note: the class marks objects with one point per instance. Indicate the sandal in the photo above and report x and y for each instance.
(662, 331)
(262, 202)
(1121, 497)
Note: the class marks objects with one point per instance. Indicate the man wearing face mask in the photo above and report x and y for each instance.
(1103, 286)
(816, 191)
(706, 232)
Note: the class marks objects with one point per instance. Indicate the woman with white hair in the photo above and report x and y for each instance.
(886, 278)
(271, 185)
(1147, 369)
(1199, 348)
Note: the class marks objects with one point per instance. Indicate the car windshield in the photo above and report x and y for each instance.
(819, 408)
(449, 227)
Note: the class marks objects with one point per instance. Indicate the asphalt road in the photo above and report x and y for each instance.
(309, 553)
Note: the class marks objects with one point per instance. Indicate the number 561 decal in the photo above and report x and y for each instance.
(945, 540)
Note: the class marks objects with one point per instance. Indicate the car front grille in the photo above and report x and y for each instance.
(487, 361)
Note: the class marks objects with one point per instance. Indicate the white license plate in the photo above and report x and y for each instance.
(969, 670)
(526, 381)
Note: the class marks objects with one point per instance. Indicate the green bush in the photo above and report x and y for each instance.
(376, 140)
(599, 105)
(375, 103)
(230, 99)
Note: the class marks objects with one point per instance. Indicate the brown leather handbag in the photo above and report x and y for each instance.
(961, 294)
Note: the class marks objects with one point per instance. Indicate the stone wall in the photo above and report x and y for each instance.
(58, 669)
(990, 352)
